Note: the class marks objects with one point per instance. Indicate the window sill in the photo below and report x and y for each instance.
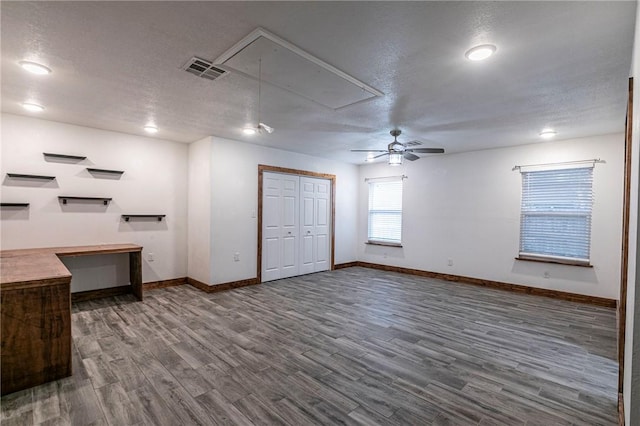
(381, 243)
(556, 261)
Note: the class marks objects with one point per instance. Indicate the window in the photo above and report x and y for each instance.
(555, 221)
(385, 211)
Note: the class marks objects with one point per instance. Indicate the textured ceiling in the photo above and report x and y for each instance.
(117, 65)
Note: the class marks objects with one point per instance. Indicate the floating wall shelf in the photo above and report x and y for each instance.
(22, 176)
(66, 198)
(65, 156)
(14, 204)
(126, 217)
(113, 172)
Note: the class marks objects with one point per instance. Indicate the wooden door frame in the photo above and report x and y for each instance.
(274, 169)
(624, 263)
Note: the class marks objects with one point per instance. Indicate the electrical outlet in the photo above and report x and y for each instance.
(150, 257)
(546, 274)
(450, 262)
(385, 255)
(236, 257)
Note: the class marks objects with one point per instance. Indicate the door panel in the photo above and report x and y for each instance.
(280, 226)
(273, 257)
(307, 220)
(289, 254)
(270, 215)
(323, 225)
(315, 216)
(322, 250)
(289, 211)
(307, 211)
(323, 212)
(307, 251)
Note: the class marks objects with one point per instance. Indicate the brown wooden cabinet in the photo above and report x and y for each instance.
(35, 304)
(36, 335)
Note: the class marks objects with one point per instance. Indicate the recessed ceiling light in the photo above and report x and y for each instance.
(370, 157)
(35, 68)
(547, 133)
(481, 52)
(249, 131)
(150, 129)
(31, 107)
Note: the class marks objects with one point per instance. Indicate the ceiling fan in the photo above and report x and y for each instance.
(397, 151)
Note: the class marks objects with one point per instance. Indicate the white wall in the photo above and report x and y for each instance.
(234, 204)
(466, 207)
(199, 211)
(155, 181)
(631, 380)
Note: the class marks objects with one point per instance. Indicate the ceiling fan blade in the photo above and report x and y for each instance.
(426, 150)
(381, 155)
(368, 150)
(411, 157)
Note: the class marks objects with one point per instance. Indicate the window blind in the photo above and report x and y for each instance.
(385, 211)
(555, 221)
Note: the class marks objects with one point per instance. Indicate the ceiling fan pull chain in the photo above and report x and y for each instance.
(259, 87)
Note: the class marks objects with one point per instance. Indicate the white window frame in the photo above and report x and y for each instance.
(377, 237)
(545, 207)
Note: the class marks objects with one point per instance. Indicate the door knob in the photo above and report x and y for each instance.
(289, 232)
(308, 232)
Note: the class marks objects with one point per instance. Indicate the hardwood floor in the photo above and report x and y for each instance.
(353, 346)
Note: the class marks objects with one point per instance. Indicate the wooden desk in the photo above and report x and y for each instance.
(35, 293)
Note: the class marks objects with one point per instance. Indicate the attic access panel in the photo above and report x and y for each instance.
(288, 67)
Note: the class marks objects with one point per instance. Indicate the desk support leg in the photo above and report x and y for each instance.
(135, 273)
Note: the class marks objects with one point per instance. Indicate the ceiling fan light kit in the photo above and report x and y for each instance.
(396, 151)
(395, 159)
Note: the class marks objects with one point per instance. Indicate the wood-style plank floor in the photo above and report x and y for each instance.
(353, 346)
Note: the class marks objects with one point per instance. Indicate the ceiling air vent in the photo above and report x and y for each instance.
(413, 143)
(203, 68)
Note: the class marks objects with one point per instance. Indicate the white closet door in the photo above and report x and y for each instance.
(307, 225)
(280, 226)
(315, 214)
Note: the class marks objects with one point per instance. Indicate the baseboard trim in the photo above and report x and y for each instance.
(198, 284)
(152, 285)
(517, 288)
(345, 265)
(221, 287)
(621, 420)
(83, 296)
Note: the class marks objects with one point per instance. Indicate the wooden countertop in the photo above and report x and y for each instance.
(24, 268)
